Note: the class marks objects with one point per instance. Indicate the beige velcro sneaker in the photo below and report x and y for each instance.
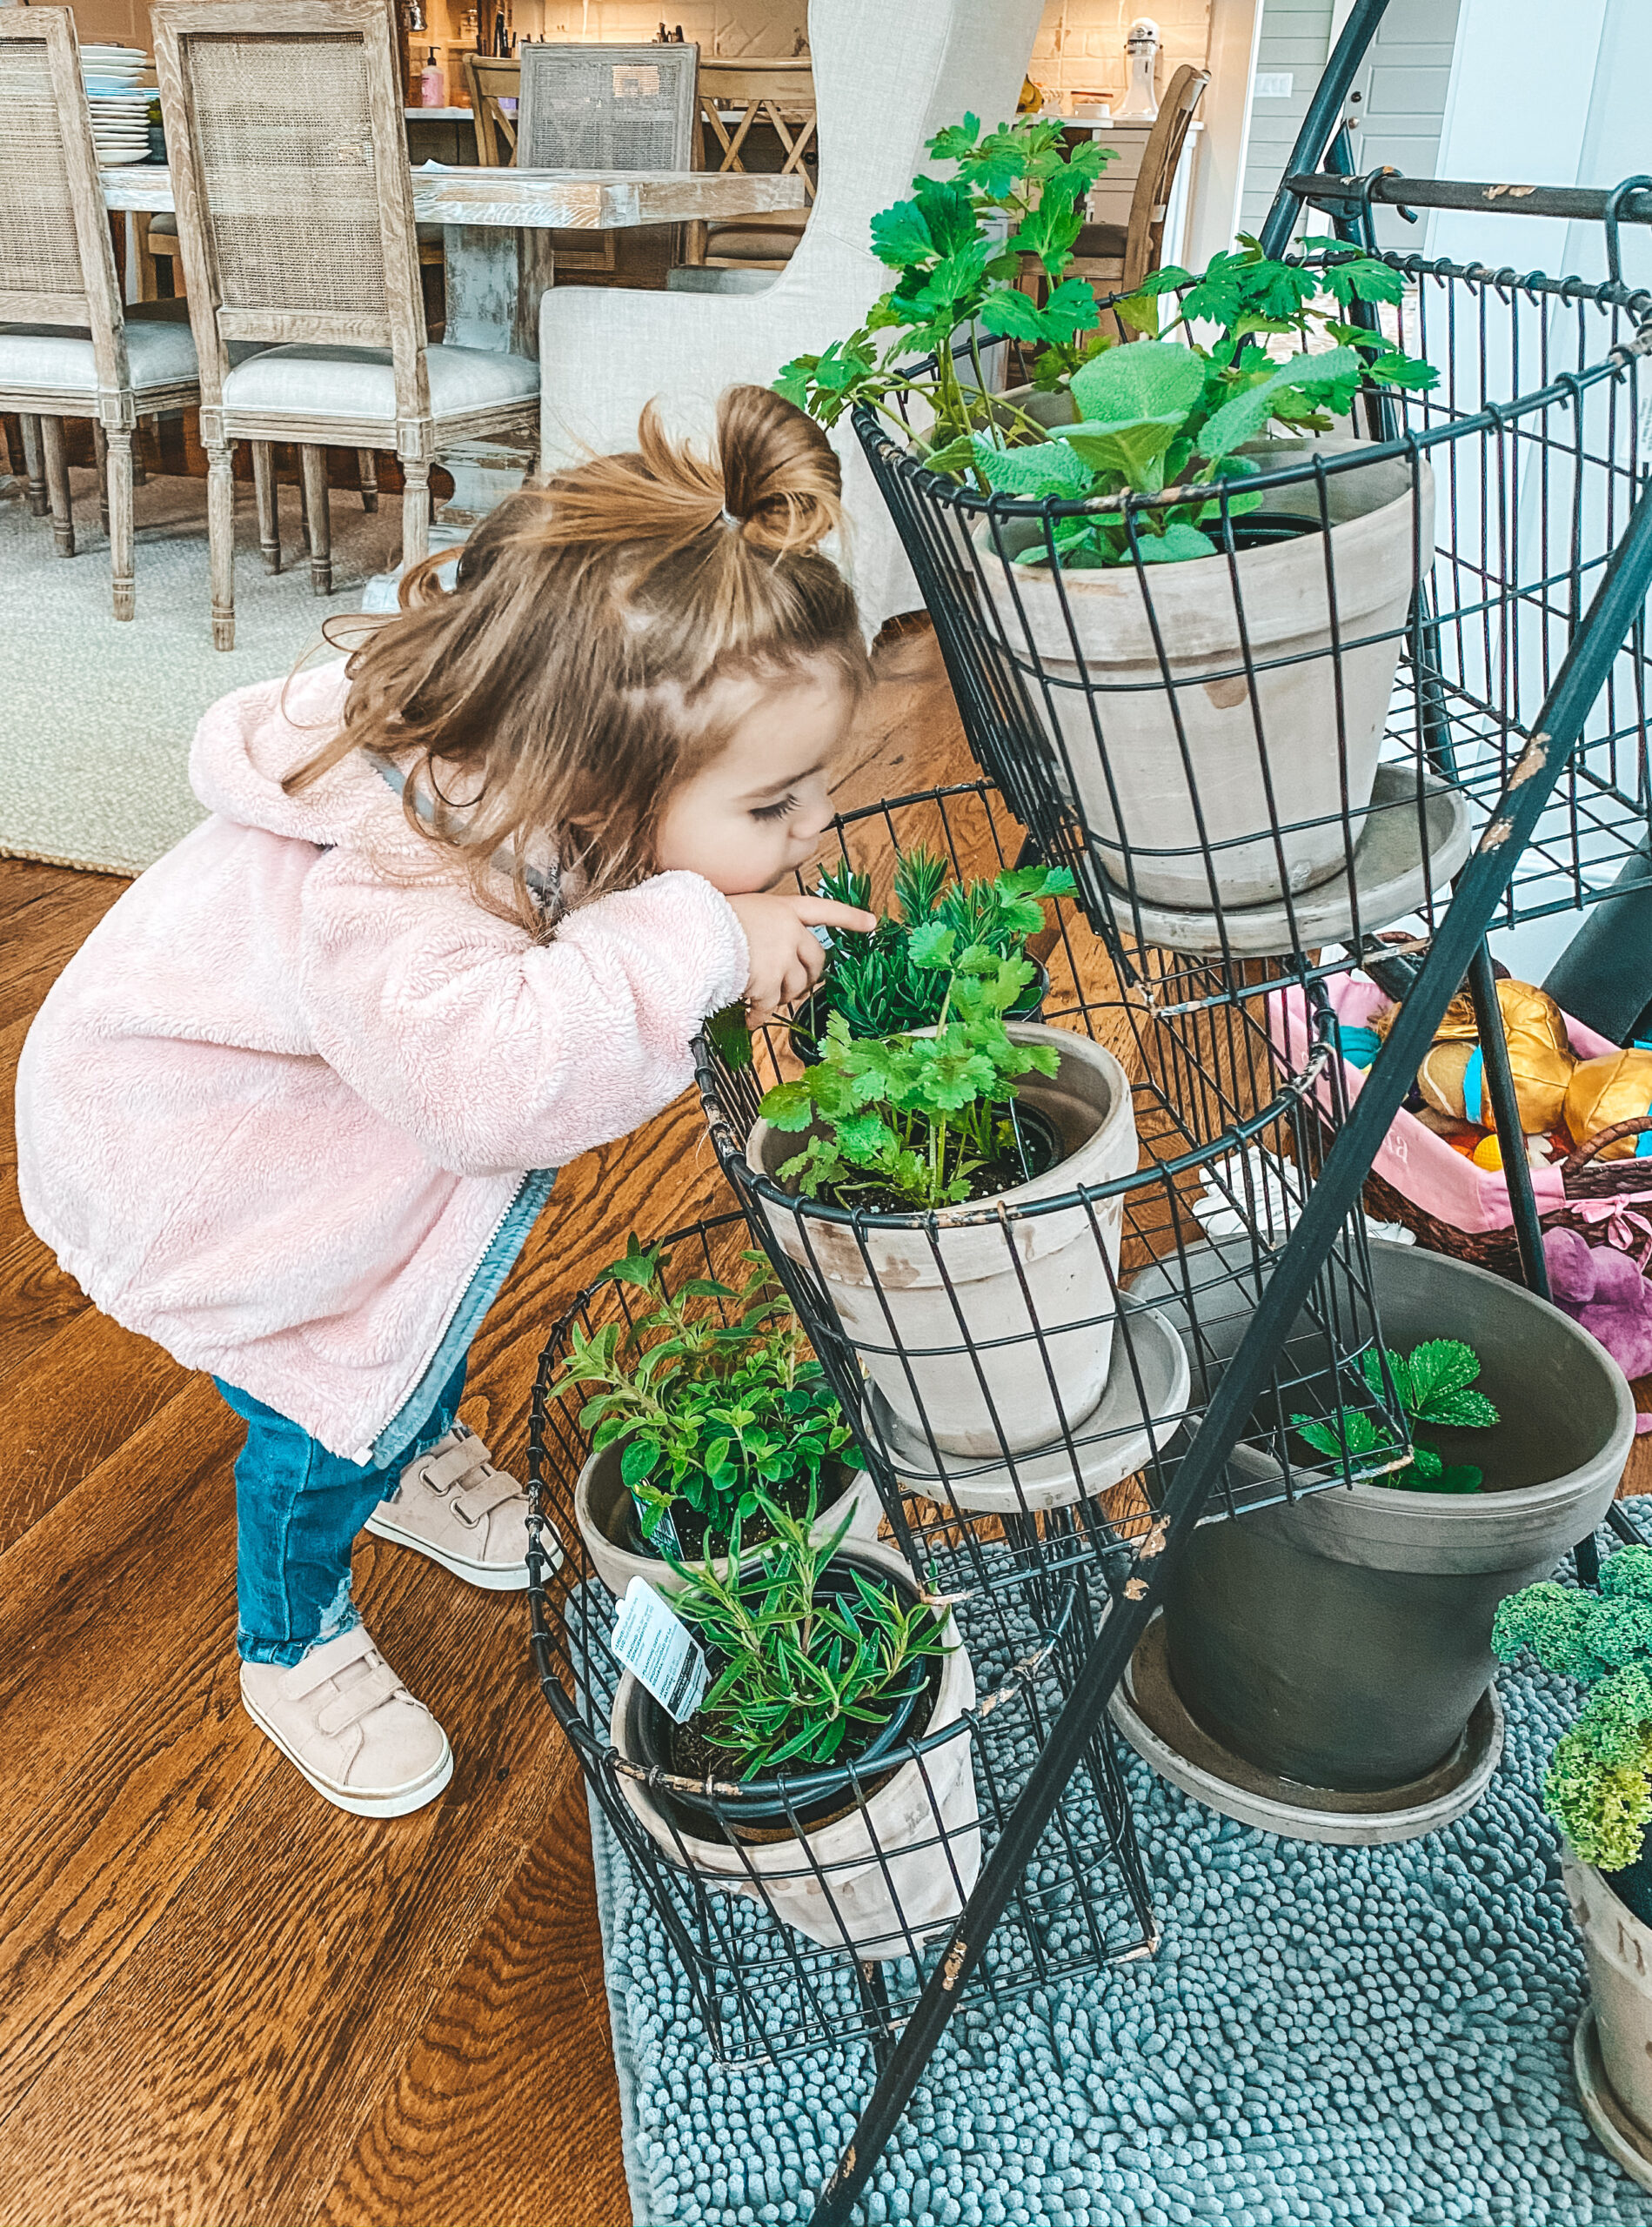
(456, 1506)
(345, 1718)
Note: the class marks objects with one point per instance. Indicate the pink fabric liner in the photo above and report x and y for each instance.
(1420, 1165)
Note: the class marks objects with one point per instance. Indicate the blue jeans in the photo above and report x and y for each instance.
(297, 1510)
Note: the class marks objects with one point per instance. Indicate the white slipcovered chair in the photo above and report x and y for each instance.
(886, 79)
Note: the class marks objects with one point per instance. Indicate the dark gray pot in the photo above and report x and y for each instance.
(1343, 1640)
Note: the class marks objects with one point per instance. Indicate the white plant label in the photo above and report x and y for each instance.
(659, 1650)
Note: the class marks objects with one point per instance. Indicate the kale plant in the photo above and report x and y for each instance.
(799, 1665)
(1434, 1384)
(1598, 1788)
(716, 1414)
(916, 1118)
(874, 981)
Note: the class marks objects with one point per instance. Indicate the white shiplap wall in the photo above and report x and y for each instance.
(1295, 37)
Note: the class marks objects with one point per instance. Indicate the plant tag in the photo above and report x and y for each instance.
(659, 1650)
(663, 1538)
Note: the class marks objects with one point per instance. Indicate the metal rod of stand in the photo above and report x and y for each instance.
(1511, 1135)
(1481, 884)
(1324, 112)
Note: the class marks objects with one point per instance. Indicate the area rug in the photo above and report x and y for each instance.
(1335, 2035)
(98, 717)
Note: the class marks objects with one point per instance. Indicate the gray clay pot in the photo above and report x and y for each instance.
(1344, 1640)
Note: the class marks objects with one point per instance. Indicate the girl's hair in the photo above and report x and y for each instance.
(566, 686)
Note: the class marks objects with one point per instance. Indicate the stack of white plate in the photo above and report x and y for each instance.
(119, 109)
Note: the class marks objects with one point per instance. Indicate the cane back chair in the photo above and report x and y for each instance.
(605, 108)
(295, 211)
(68, 348)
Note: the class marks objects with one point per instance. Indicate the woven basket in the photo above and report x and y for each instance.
(1586, 1179)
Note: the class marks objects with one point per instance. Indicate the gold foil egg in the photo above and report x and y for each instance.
(1617, 1087)
(1541, 1077)
(1528, 1012)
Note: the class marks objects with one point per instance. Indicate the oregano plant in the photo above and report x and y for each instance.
(715, 1392)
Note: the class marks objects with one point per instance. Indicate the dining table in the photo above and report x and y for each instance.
(496, 227)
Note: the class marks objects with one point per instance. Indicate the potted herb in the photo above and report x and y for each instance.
(708, 1408)
(898, 1169)
(793, 1779)
(1598, 1789)
(874, 980)
(1201, 723)
(1343, 1640)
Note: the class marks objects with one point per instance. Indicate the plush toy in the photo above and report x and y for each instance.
(1604, 1291)
(1617, 1087)
(1539, 1058)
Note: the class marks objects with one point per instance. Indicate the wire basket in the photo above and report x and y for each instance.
(1022, 1375)
(1294, 743)
(808, 1906)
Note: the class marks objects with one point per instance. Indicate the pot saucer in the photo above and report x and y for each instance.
(1112, 1442)
(1391, 876)
(1617, 2132)
(1149, 1712)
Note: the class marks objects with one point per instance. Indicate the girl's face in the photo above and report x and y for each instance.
(758, 812)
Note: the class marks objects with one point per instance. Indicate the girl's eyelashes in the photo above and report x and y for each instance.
(787, 805)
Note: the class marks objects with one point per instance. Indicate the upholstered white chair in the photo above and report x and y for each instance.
(68, 348)
(886, 79)
(295, 213)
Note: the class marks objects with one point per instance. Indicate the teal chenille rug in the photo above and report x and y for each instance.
(1327, 2034)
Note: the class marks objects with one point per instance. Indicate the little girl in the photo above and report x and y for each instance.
(459, 908)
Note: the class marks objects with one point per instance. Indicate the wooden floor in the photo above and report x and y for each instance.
(221, 2001)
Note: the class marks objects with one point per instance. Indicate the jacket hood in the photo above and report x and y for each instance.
(247, 744)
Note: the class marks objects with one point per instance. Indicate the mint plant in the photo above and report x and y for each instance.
(918, 1120)
(718, 1416)
(1157, 416)
(800, 1667)
(1434, 1385)
(874, 980)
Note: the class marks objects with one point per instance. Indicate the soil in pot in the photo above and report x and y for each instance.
(1343, 1641)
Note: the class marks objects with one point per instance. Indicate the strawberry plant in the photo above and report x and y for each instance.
(1434, 1385)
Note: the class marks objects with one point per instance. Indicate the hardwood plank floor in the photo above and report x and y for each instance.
(222, 2004)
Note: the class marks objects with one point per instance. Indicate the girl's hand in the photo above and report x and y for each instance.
(786, 960)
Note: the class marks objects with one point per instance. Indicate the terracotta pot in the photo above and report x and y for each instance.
(1617, 1948)
(603, 1506)
(1344, 1640)
(899, 1863)
(995, 1324)
(1142, 788)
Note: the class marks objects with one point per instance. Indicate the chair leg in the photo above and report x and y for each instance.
(34, 469)
(367, 464)
(220, 534)
(63, 517)
(119, 479)
(263, 490)
(314, 462)
(100, 459)
(416, 510)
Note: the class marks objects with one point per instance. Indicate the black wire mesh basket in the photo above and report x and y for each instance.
(807, 1904)
(1023, 1373)
(1294, 743)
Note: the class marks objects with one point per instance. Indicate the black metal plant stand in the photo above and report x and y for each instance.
(1559, 810)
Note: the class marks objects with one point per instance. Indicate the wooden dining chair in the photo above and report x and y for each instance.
(771, 97)
(295, 209)
(605, 108)
(1117, 257)
(68, 346)
(491, 81)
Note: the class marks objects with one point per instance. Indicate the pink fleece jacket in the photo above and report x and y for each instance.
(277, 1105)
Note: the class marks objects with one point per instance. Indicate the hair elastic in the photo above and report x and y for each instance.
(729, 520)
